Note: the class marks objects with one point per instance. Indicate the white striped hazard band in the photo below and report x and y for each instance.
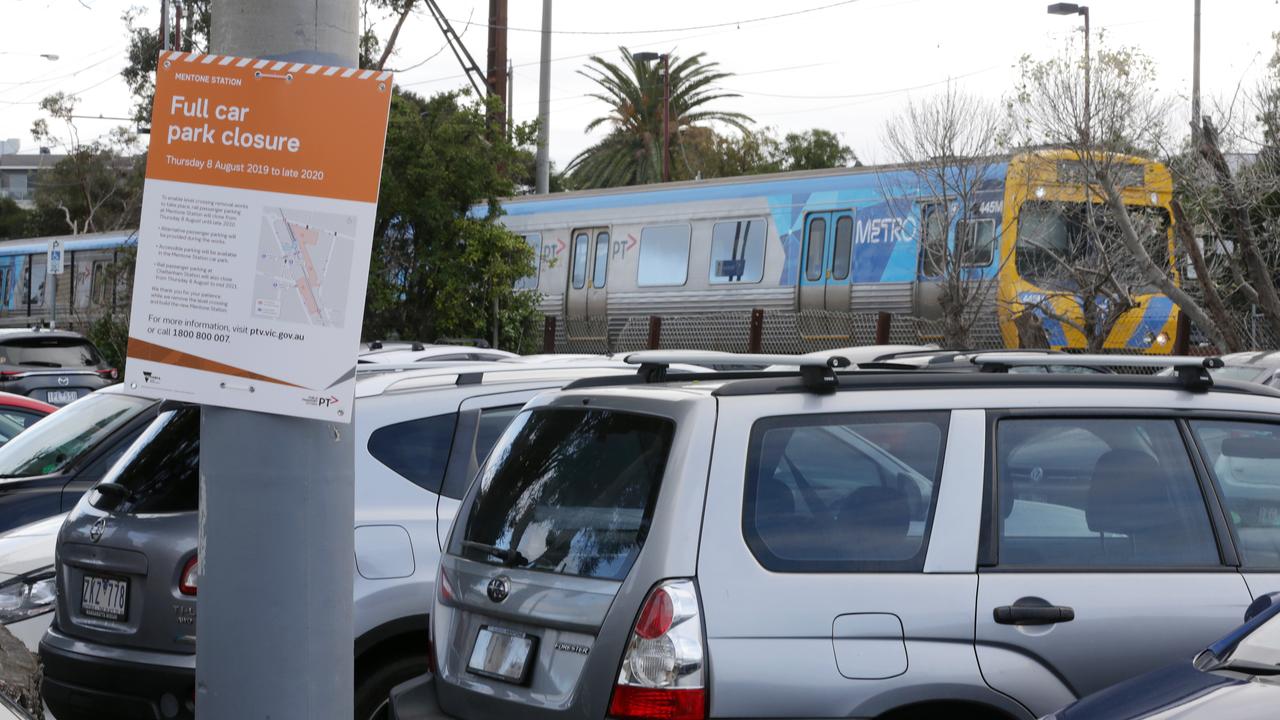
(173, 56)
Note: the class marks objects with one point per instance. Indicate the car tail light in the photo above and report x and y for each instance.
(444, 588)
(663, 672)
(7, 375)
(109, 374)
(190, 575)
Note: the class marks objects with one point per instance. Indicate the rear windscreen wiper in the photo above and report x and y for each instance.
(510, 556)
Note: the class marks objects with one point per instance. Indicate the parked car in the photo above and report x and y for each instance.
(1259, 366)
(822, 544)
(397, 353)
(1236, 677)
(55, 366)
(45, 470)
(27, 579)
(128, 577)
(19, 412)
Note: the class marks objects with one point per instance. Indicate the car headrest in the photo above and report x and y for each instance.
(883, 510)
(1128, 494)
(774, 498)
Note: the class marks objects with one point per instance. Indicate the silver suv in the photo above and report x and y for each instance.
(893, 544)
(123, 639)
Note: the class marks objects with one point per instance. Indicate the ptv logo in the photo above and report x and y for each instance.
(320, 401)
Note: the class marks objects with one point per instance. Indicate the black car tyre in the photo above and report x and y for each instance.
(374, 688)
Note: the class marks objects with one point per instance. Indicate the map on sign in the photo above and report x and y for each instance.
(304, 260)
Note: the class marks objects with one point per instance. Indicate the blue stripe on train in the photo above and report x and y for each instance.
(1159, 309)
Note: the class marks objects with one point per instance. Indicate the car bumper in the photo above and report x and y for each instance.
(84, 680)
(416, 700)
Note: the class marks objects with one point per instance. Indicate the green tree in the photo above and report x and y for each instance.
(440, 264)
(98, 185)
(815, 149)
(632, 151)
(711, 154)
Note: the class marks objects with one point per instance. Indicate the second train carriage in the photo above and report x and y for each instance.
(849, 240)
(86, 287)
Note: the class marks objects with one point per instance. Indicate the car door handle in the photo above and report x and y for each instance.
(1033, 611)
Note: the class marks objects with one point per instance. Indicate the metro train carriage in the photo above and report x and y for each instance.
(84, 290)
(830, 243)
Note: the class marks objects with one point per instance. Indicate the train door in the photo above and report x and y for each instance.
(931, 267)
(827, 257)
(585, 296)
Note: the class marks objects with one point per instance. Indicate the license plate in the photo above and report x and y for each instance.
(62, 397)
(502, 654)
(104, 597)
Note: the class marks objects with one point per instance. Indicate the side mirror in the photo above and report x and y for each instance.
(1257, 607)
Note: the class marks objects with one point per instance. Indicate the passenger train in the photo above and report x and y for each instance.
(841, 241)
(819, 252)
(86, 288)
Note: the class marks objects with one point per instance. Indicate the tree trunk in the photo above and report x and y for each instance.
(1213, 300)
(1157, 276)
(1259, 273)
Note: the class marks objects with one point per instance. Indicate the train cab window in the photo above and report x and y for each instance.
(664, 255)
(817, 246)
(580, 249)
(600, 272)
(737, 251)
(978, 242)
(933, 241)
(530, 282)
(843, 250)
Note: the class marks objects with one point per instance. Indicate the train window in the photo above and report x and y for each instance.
(601, 270)
(841, 254)
(978, 242)
(580, 260)
(530, 282)
(35, 289)
(737, 251)
(817, 246)
(664, 255)
(933, 245)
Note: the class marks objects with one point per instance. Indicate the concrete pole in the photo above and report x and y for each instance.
(543, 170)
(1195, 81)
(277, 493)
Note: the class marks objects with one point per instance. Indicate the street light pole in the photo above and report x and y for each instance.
(666, 117)
(1195, 80)
(1074, 9)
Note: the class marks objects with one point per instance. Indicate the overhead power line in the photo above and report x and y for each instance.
(729, 23)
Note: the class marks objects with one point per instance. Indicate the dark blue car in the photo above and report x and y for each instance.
(1237, 677)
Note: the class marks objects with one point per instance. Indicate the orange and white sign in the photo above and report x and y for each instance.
(257, 224)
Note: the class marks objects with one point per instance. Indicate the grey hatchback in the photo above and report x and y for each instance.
(55, 366)
(880, 544)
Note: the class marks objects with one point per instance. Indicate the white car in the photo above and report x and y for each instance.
(26, 579)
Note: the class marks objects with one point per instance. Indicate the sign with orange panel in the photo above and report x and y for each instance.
(257, 224)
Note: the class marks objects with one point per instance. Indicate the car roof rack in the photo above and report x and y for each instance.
(817, 374)
(1193, 372)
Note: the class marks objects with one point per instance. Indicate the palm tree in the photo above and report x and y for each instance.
(631, 153)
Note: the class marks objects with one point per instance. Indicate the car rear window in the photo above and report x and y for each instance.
(56, 352)
(161, 469)
(569, 491)
(417, 450)
(59, 440)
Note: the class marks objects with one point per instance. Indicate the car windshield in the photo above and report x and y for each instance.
(55, 442)
(1260, 648)
(1247, 373)
(55, 352)
(9, 428)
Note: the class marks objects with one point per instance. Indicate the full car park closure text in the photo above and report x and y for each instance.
(233, 137)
